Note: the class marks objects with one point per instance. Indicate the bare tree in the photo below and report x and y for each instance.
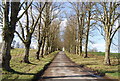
(70, 35)
(89, 24)
(9, 25)
(39, 38)
(78, 7)
(50, 13)
(108, 15)
(38, 34)
(29, 29)
(47, 22)
(53, 40)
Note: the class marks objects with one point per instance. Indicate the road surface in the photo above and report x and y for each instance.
(63, 69)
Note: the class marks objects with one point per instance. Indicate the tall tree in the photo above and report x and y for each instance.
(54, 38)
(10, 18)
(78, 7)
(108, 15)
(39, 38)
(29, 29)
(50, 13)
(47, 21)
(89, 24)
(70, 35)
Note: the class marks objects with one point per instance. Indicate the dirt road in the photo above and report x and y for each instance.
(63, 69)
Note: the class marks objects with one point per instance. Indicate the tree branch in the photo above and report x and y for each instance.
(21, 5)
(24, 11)
(38, 18)
(22, 30)
(114, 32)
(20, 36)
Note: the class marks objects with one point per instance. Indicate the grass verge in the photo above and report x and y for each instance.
(115, 55)
(95, 62)
(24, 71)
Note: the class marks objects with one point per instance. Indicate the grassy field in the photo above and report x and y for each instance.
(24, 71)
(95, 62)
(116, 55)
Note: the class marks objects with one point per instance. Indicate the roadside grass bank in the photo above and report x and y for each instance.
(95, 62)
(24, 71)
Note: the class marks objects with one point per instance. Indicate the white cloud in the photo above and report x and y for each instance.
(98, 45)
(101, 47)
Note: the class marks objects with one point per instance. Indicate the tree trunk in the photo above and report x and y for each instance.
(43, 46)
(46, 50)
(80, 52)
(81, 33)
(47, 46)
(80, 46)
(39, 39)
(86, 46)
(49, 49)
(26, 57)
(76, 50)
(87, 34)
(107, 52)
(80, 37)
(38, 51)
(6, 56)
(8, 32)
(86, 42)
(6, 40)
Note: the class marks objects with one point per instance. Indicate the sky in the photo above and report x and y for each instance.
(98, 40)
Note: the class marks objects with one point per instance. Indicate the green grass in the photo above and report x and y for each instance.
(103, 53)
(95, 62)
(25, 71)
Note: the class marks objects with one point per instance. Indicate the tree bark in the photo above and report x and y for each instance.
(80, 47)
(47, 46)
(76, 49)
(6, 42)
(26, 57)
(87, 33)
(39, 41)
(86, 46)
(43, 46)
(38, 51)
(80, 36)
(107, 50)
(27, 47)
(47, 50)
(8, 32)
(81, 32)
(6, 56)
